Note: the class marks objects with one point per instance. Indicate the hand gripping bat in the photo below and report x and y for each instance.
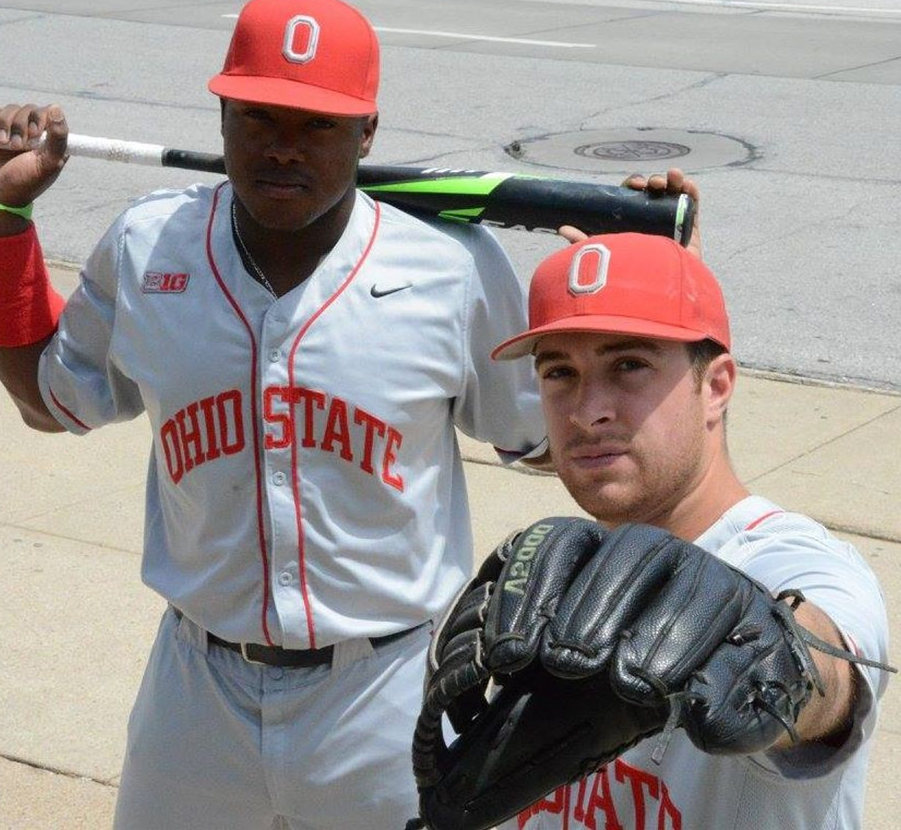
(502, 200)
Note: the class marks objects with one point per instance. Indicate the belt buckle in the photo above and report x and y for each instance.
(248, 658)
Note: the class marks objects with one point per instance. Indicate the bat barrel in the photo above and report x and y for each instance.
(529, 203)
(540, 204)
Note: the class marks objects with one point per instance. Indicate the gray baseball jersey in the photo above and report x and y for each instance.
(817, 788)
(305, 485)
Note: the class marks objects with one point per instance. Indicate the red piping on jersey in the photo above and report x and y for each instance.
(261, 533)
(763, 518)
(295, 466)
(67, 413)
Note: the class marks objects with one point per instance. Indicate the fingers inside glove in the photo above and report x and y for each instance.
(545, 559)
(650, 608)
(630, 568)
(676, 633)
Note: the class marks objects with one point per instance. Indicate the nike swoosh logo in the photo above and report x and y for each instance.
(378, 293)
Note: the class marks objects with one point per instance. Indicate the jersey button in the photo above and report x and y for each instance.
(279, 478)
(284, 578)
(275, 356)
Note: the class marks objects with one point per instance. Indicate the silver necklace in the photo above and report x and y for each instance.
(257, 271)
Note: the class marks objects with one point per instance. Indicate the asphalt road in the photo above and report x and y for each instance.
(787, 113)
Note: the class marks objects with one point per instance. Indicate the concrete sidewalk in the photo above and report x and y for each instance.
(76, 624)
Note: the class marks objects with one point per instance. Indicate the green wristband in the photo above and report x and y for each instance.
(24, 212)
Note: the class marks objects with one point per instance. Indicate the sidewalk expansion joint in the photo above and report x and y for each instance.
(819, 447)
(824, 381)
(77, 776)
(92, 542)
(863, 532)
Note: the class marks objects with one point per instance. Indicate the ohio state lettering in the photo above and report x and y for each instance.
(590, 803)
(332, 425)
(203, 431)
(213, 427)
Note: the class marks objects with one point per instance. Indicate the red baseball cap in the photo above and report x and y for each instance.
(623, 283)
(318, 55)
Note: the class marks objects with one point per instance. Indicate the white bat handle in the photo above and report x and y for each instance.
(112, 149)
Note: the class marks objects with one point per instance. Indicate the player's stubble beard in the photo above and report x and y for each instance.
(652, 482)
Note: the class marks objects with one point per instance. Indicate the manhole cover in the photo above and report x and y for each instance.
(631, 150)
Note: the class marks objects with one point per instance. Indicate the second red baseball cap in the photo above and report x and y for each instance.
(624, 283)
(318, 55)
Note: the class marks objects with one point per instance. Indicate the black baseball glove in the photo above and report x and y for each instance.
(574, 643)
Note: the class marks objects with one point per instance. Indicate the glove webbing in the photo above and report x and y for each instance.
(827, 648)
(806, 665)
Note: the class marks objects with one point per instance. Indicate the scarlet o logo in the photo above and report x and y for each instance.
(588, 271)
(301, 39)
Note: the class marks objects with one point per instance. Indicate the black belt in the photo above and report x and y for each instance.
(286, 658)
(290, 658)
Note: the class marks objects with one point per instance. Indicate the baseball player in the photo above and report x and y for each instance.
(303, 355)
(630, 341)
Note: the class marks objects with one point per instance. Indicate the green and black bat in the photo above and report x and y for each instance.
(502, 200)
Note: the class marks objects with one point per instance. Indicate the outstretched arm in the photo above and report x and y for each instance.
(825, 717)
(28, 305)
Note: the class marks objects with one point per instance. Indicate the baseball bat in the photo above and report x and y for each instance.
(502, 200)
